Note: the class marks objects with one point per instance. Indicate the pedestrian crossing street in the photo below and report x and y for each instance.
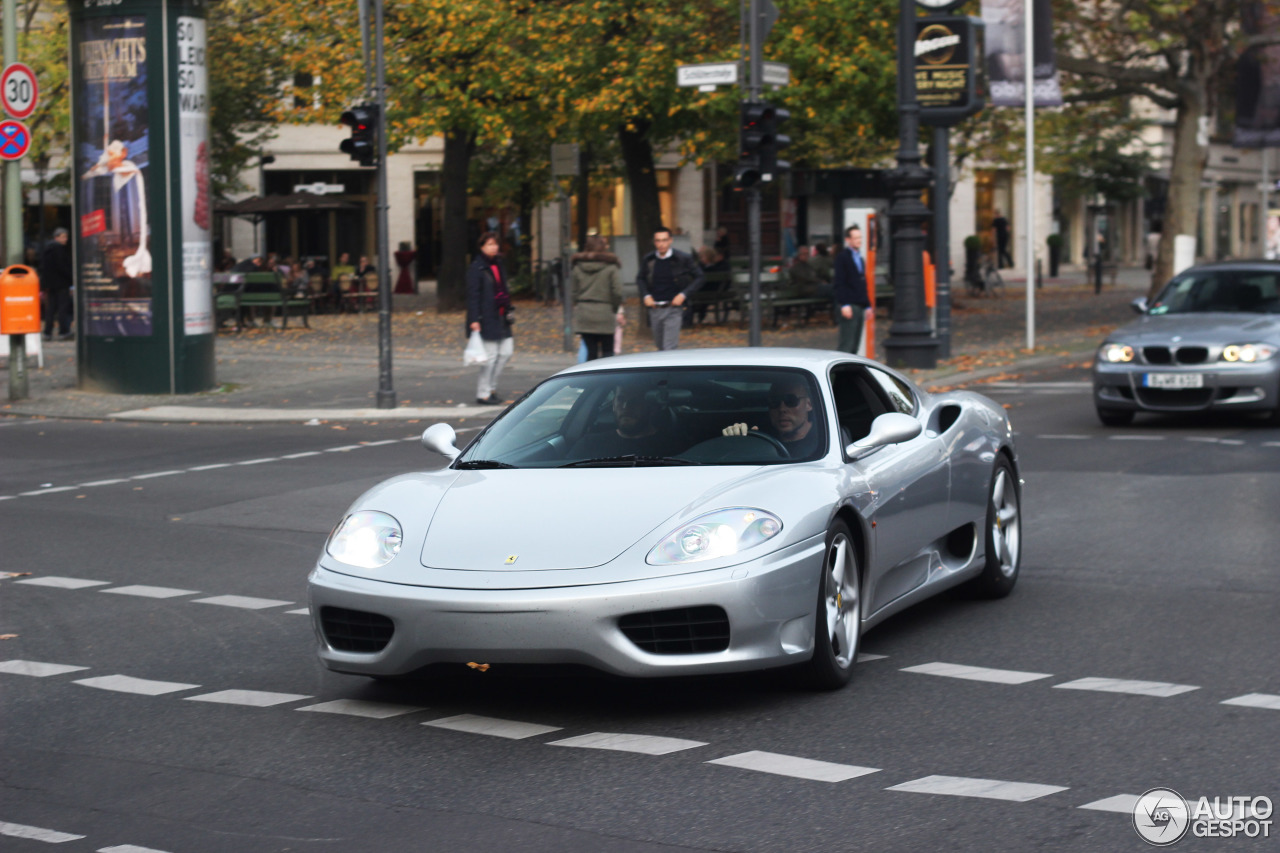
(542, 733)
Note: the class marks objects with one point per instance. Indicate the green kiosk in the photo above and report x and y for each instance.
(143, 216)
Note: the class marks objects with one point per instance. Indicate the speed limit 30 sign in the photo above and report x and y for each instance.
(18, 90)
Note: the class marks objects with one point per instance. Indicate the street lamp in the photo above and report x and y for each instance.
(911, 342)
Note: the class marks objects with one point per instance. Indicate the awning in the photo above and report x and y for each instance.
(258, 206)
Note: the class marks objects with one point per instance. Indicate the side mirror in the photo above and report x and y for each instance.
(442, 439)
(1139, 305)
(889, 428)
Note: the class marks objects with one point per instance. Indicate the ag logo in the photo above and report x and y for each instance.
(1161, 816)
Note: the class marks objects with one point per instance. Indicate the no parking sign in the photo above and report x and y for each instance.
(15, 139)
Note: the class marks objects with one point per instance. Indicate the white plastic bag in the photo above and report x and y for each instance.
(474, 354)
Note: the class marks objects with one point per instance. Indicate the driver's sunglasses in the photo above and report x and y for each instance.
(788, 400)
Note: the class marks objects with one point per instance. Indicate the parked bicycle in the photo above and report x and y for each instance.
(984, 279)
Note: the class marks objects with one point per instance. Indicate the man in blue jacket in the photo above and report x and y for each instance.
(667, 278)
(849, 290)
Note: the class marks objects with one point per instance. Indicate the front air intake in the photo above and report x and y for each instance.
(683, 631)
(355, 630)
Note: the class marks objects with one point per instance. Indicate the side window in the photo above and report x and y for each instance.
(900, 396)
(858, 403)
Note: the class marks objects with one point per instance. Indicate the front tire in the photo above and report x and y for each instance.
(1003, 534)
(838, 618)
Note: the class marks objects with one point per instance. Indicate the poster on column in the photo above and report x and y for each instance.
(1258, 82)
(112, 175)
(1005, 54)
(1272, 248)
(193, 129)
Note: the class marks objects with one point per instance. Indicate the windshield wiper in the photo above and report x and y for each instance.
(630, 459)
(476, 464)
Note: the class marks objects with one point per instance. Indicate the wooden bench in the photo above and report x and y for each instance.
(265, 290)
(716, 295)
(785, 300)
(226, 298)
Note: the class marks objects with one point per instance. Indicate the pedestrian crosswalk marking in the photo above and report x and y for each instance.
(977, 673)
(242, 601)
(990, 789)
(129, 684)
(62, 583)
(362, 708)
(253, 698)
(1120, 803)
(37, 669)
(473, 724)
(36, 833)
(790, 765)
(645, 744)
(1161, 689)
(145, 591)
(1255, 700)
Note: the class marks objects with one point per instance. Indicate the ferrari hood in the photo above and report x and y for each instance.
(531, 520)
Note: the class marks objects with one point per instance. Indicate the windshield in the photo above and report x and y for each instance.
(631, 418)
(1224, 291)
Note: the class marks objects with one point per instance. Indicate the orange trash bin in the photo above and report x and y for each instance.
(19, 301)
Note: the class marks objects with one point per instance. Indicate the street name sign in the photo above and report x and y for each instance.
(18, 90)
(707, 76)
(776, 74)
(15, 139)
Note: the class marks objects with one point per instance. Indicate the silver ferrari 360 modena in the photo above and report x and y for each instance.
(674, 513)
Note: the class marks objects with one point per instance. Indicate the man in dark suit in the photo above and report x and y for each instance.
(849, 290)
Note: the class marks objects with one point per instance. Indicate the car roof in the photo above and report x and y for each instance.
(814, 360)
(1239, 264)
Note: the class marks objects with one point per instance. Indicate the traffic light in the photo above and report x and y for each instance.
(362, 145)
(759, 142)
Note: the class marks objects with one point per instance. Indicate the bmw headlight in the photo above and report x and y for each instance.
(722, 533)
(1116, 353)
(365, 539)
(1248, 353)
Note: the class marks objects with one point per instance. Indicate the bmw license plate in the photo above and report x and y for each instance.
(1173, 380)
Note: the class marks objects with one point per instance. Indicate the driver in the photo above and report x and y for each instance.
(791, 418)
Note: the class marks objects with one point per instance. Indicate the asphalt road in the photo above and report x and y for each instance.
(172, 701)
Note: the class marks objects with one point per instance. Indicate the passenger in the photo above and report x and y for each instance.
(791, 419)
(642, 426)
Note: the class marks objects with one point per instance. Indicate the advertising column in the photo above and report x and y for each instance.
(142, 217)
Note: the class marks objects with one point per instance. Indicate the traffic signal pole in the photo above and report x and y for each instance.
(756, 34)
(12, 168)
(386, 398)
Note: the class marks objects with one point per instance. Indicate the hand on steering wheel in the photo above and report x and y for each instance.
(753, 432)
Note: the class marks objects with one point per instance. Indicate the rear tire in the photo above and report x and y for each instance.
(1003, 534)
(1115, 417)
(837, 626)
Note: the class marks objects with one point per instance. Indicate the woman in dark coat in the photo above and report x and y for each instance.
(597, 296)
(489, 313)
(404, 259)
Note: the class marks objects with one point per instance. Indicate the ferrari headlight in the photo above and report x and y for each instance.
(1116, 353)
(1248, 353)
(722, 533)
(365, 539)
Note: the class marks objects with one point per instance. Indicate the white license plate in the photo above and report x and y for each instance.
(1173, 380)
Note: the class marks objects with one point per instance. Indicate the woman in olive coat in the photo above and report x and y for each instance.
(596, 288)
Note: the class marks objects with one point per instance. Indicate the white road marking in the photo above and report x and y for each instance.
(1202, 438)
(1120, 803)
(47, 491)
(302, 455)
(491, 726)
(864, 658)
(129, 848)
(259, 461)
(1065, 437)
(302, 611)
(343, 449)
(977, 673)
(1124, 685)
(242, 601)
(35, 833)
(104, 482)
(253, 698)
(1255, 700)
(212, 467)
(790, 765)
(129, 684)
(1232, 441)
(381, 443)
(991, 789)
(1136, 437)
(62, 583)
(150, 591)
(155, 474)
(1271, 444)
(646, 744)
(361, 708)
(37, 669)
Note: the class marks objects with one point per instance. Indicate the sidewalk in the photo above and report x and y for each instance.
(330, 371)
